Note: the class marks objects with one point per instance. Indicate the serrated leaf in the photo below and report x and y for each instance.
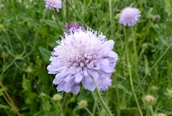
(45, 54)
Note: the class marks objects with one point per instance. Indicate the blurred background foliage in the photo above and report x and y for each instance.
(29, 31)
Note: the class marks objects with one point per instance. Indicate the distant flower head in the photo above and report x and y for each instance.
(82, 57)
(129, 16)
(74, 26)
(53, 4)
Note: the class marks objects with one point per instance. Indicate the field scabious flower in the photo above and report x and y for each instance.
(82, 57)
(53, 4)
(74, 26)
(129, 16)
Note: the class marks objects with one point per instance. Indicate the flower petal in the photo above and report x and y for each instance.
(85, 72)
(94, 74)
(59, 78)
(107, 69)
(104, 62)
(112, 54)
(60, 87)
(68, 85)
(75, 89)
(88, 83)
(78, 78)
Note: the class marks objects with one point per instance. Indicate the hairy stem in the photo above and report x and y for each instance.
(103, 103)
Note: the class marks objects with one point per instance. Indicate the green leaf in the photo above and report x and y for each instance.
(123, 88)
(26, 84)
(2, 90)
(168, 6)
(45, 54)
(4, 107)
(54, 25)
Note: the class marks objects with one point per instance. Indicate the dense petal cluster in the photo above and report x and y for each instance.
(82, 57)
(53, 4)
(129, 16)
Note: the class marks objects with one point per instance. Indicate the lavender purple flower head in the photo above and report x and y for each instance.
(129, 16)
(83, 57)
(53, 4)
(74, 26)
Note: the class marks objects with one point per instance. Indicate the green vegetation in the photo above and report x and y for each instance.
(29, 31)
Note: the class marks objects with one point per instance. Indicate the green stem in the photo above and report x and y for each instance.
(103, 103)
(130, 74)
(76, 14)
(151, 110)
(88, 111)
(154, 65)
(63, 103)
(110, 17)
(132, 87)
(95, 105)
(10, 100)
(117, 97)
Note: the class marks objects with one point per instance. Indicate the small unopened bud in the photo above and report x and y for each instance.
(150, 100)
(169, 14)
(38, 57)
(154, 88)
(4, 55)
(161, 114)
(117, 16)
(156, 18)
(169, 92)
(2, 6)
(82, 104)
(57, 97)
(25, 65)
(144, 46)
(130, 40)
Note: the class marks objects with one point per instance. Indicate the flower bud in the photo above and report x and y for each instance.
(150, 100)
(161, 114)
(169, 92)
(57, 97)
(156, 18)
(82, 104)
(4, 55)
(144, 46)
(154, 88)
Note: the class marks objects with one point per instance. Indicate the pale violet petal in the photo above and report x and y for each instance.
(107, 69)
(94, 74)
(75, 89)
(88, 83)
(85, 72)
(78, 78)
(60, 87)
(104, 62)
(59, 78)
(68, 85)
